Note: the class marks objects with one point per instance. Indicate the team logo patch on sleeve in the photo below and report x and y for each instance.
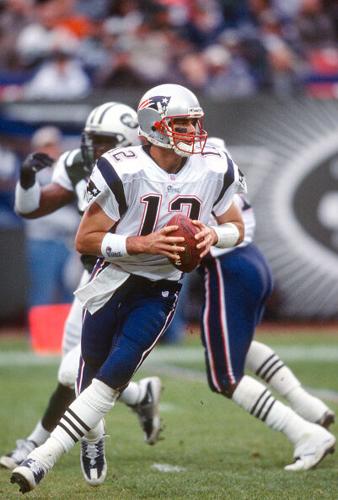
(92, 191)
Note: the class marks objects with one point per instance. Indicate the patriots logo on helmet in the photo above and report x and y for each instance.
(159, 103)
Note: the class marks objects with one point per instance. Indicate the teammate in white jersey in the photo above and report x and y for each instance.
(236, 266)
(261, 359)
(134, 288)
(108, 125)
(237, 283)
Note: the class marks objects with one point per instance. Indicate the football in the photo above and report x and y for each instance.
(189, 259)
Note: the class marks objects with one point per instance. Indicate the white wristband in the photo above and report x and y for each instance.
(27, 200)
(227, 234)
(113, 245)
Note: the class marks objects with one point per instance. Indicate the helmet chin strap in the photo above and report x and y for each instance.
(180, 148)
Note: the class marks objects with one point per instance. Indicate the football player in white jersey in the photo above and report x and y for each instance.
(109, 125)
(242, 271)
(261, 359)
(133, 292)
(237, 283)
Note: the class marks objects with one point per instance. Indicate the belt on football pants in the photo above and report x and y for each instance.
(141, 281)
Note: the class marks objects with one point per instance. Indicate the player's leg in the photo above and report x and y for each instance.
(266, 364)
(236, 287)
(143, 314)
(92, 404)
(61, 398)
(143, 397)
(311, 441)
(84, 414)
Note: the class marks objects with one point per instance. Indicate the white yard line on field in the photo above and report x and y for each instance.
(162, 359)
(24, 358)
(298, 352)
(327, 353)
(198, 376)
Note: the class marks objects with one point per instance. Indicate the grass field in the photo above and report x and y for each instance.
(216, 450)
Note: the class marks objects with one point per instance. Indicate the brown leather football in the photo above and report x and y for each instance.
(189, 259)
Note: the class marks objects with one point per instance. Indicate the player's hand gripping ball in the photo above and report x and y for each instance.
(189, 259)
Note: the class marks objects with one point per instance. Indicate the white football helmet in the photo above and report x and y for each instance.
(108, 126)
(156, 111)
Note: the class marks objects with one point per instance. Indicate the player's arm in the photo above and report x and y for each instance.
(49, 198)
(94, 237)
(32, 201)
(228, 233)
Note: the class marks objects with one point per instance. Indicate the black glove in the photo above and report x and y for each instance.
(33, 163)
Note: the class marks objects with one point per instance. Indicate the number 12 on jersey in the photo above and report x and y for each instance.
(152, 208)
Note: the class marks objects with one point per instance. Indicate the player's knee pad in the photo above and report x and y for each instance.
(69, 367)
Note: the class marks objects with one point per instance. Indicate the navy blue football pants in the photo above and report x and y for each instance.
(117, 338)
(236, 287)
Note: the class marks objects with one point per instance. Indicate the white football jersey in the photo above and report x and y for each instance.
(142, 197)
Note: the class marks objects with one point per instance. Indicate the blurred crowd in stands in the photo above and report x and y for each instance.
(66, 49)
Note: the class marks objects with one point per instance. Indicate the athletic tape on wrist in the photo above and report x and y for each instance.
(227, 235)
(27, 200)
(113, 246)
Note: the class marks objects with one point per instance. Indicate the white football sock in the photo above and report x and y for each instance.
(266, 364)
(84, 414)
(48, 453)
(306, 405)
(132, 394)
(255, 398)
(39, 434)
(95, 433)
